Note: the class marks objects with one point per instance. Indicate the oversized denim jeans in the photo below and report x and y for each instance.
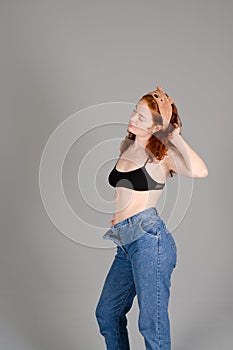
(145, 258)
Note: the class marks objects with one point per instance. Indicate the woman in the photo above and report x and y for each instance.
(146, 251)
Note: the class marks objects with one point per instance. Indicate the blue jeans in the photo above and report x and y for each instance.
(145, 258)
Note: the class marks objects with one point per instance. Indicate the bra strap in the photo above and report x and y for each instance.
(117, 162)
(146, 161)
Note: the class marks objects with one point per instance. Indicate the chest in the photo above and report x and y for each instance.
(137, 174)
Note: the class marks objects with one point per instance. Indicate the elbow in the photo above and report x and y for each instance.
(202, 173)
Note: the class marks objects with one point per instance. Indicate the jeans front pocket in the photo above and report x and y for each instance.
(150, 227)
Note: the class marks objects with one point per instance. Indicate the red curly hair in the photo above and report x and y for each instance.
(158, 143)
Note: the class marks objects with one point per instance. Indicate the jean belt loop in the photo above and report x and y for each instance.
(130, 222)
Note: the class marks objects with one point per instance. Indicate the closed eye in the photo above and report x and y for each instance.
(139, 114)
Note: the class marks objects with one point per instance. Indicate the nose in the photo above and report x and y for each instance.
(133, 116)
(133, 119)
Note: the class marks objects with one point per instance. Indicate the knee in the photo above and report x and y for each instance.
(99, 311)
(146, 326)
(102, 314)
(105, 316)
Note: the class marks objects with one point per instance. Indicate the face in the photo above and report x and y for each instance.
(141, 122)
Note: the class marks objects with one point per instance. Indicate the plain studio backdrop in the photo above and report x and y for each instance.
(62, 57)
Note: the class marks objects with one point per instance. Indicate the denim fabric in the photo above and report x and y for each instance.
(146, 255)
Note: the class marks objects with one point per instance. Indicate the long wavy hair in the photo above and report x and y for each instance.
(158, 144)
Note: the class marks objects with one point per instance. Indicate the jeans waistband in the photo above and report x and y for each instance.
(136, 217)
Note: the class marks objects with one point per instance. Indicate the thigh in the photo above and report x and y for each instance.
(146, 265)
(152, 265)
(119, 283)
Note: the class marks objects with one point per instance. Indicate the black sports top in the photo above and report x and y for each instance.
(138, 179)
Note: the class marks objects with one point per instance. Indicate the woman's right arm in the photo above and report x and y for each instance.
(188, 162)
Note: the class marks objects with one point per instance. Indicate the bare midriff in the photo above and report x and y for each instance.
(129, 202)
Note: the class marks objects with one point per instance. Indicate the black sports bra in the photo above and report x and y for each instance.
(138, 179)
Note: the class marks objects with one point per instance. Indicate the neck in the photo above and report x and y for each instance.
(139, 144)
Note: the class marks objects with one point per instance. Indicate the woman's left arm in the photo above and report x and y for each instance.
(189, 163)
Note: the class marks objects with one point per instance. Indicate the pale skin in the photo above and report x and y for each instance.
(185, 162)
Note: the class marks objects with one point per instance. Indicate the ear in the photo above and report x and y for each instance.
(170, 99)
(160, 89)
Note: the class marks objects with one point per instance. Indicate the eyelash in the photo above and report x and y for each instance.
(139, 114)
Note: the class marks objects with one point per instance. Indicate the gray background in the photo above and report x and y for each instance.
(58, 57)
